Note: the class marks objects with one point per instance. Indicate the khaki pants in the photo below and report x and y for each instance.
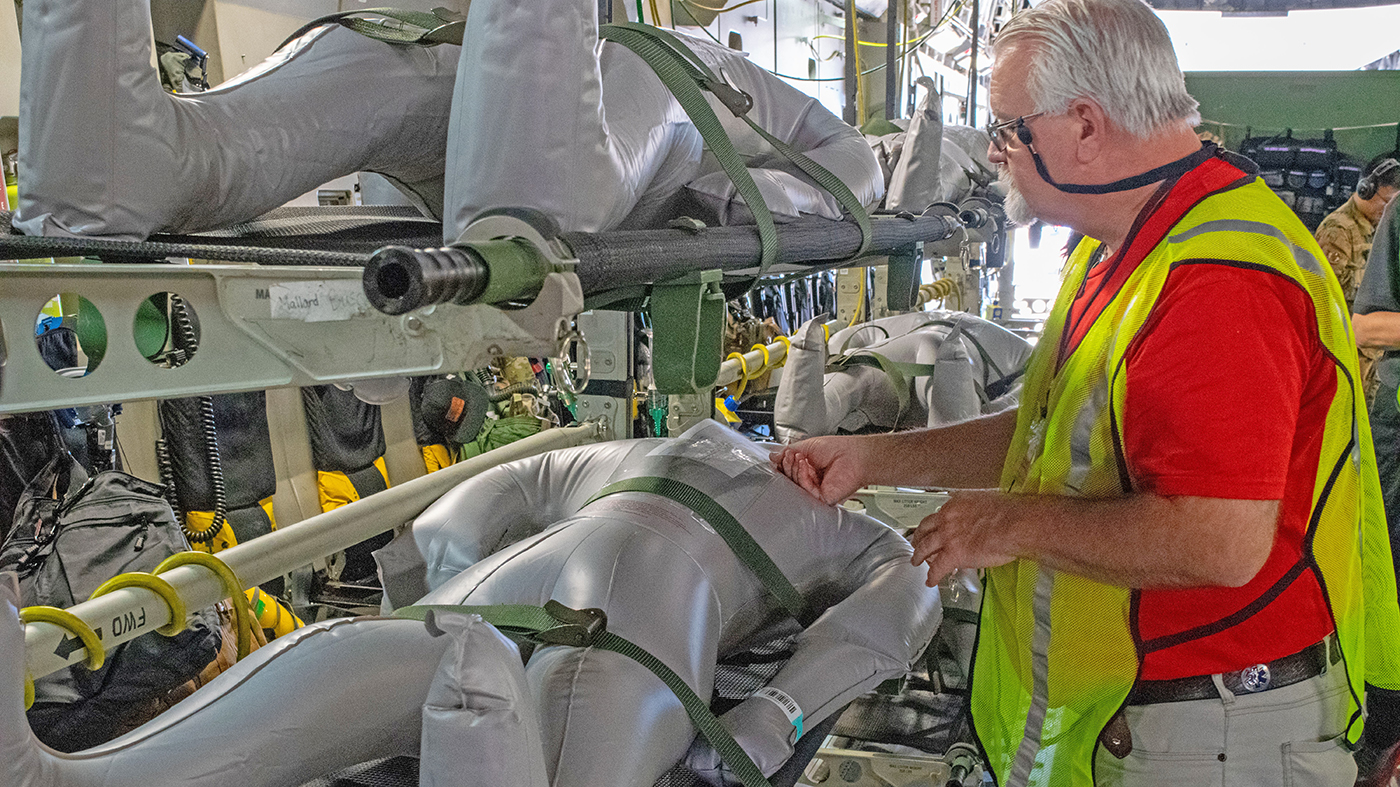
(1284, 737)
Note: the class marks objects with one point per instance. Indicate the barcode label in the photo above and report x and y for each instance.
(789, 706)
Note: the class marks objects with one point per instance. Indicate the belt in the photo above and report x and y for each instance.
(1306, 663)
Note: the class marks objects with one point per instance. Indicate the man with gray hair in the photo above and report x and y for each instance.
(1188, 579)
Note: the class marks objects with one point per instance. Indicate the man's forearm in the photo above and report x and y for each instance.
(1145, 540)
(967, 455)
(1380, 330)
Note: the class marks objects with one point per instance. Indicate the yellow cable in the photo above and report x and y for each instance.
(869, 43)
(158, 586)
(826, 332)
(787, 348)
(72, 624)
(242, 615)
(28, 690)
(655, 13)
(704, 7)
(743, 372)
(860, 306)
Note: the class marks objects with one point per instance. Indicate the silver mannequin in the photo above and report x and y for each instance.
(531, 112)
(967, 352)
(346, 691)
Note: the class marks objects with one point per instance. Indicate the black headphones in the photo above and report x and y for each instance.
(1367, 187)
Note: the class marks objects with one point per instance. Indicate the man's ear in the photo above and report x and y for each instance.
(1091, 123)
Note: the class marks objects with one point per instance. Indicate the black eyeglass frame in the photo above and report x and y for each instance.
(995, 130)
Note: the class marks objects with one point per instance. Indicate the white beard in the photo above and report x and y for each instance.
(1018, 211)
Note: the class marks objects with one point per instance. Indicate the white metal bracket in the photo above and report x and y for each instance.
(259, 327)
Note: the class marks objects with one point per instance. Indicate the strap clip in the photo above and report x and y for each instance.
(580, 626)
(736, 100)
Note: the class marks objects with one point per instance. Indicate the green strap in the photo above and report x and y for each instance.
(684, 74)
(679, 56)
(556, 624)
(744, 546)
(899, 372)
(415, 27)
(685, 81)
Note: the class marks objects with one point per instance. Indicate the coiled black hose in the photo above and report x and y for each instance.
(188, 340)
(167, 477)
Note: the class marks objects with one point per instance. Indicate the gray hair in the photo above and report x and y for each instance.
(1116, 52)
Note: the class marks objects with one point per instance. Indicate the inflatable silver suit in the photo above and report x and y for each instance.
(975, 370)
(342, 692)
(530, 112)
(931, 162)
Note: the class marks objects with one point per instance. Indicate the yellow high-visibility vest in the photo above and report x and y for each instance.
(1056, 653)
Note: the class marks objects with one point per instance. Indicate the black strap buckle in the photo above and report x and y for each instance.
(736, 100)
(580, 626)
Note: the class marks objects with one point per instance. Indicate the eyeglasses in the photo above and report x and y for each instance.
(1002, 133)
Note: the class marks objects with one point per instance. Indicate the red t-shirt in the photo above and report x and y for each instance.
(1227, 397)
(1227, 392)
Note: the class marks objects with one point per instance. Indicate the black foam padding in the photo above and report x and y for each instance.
(615, 259)
(341, 236)
(387, 772)
(245, 450)
(346, 434)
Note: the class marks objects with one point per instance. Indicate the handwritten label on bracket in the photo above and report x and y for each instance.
(318, 301)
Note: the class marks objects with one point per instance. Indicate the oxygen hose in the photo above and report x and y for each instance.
(189, 340)
(511, 390)
(167, 477)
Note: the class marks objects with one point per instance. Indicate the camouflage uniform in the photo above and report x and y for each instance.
(1345, 237)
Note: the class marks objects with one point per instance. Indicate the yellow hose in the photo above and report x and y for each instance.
(938, 290)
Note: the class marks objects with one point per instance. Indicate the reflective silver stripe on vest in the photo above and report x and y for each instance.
(1080, 456)
(1302, 256)
(1040, 686)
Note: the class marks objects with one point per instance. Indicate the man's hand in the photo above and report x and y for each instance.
(831, 469)
(968, 531)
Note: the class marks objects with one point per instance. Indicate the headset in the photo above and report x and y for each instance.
(1367, 187)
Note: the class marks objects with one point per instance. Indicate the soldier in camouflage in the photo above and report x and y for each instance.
(1345, 236)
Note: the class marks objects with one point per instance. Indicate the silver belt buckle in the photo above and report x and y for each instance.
(1255, 679)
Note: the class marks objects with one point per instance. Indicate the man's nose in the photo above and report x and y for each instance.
(994, 154)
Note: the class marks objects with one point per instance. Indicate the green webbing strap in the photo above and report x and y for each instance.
(745, 548)
(685, 81)
(556, 624)
(898, 372)
(678, 55)
(415, 27)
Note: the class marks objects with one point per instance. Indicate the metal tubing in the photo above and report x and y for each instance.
(730, 369)
(127, 613)
(616, 259)
(400, 280)
(850, 113)
(892, 41)
(972, 66)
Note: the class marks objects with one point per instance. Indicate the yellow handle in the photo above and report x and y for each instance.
(763, 348)
(158, 586)
(743, 372)
(787, 348)
(234, 588)
(72, 624)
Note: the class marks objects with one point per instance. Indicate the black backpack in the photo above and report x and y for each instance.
(72, 533)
